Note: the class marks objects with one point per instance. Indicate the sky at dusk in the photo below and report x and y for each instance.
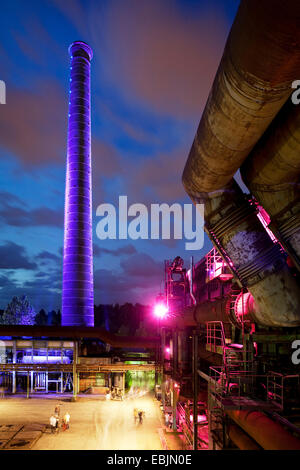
(153, 66)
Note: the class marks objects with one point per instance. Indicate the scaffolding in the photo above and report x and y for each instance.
(216, 267)
(176, 286)
(235, 385)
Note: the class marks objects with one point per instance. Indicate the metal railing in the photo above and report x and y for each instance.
(242, 389)
(215, 335)
(215, 265)
(277, 387)
(185, 422)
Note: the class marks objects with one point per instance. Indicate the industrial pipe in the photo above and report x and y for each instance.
(241, 439)
(266, 432)
(242, 308)
(261, 59)
(272, 172)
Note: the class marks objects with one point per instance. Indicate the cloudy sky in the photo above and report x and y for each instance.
(154, 62)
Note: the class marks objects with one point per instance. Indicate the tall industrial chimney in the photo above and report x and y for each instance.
(78, 289)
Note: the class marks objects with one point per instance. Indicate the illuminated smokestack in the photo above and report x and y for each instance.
(78, 289)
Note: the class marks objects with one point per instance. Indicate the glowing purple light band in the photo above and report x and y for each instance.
(78, 289)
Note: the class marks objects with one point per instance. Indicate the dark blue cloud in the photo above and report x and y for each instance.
(13, 256)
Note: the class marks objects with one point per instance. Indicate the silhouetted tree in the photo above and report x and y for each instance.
(54, 318)
(18, 312)
(41, 318)
(120, 318)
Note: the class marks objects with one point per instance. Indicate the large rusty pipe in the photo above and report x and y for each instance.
(266, 432)
(272, 172)
(260, 61)
(201, 313)
(241, 439)
(249, 89)
(215, 310)
(244, 308)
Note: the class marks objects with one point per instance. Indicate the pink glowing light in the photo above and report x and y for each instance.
(160, 310)
(201, 418)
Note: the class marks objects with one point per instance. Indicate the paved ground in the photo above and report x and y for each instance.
(95, 424)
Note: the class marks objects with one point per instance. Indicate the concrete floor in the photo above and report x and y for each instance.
(95, 424)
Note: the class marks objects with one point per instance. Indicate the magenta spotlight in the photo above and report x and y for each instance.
(160, 310)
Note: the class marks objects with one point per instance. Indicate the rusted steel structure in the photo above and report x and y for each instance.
(272, 172)
(249, 90)
(249, 123)
(265, 431)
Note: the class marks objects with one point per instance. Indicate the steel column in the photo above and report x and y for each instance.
(195, 391)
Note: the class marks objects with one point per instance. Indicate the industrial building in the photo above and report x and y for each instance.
(38, 360)
(76, 357)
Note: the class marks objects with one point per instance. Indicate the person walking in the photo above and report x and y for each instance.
(57, 423)
(67, 420)
(53, 424)
(135, 415)
(140, 417)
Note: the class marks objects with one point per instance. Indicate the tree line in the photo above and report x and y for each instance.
(124, 319)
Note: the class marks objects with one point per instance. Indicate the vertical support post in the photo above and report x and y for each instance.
(123, 384)
(31, 382)
(174, 404)
(175, 352)
(47, 381)
(163, 345)
(158, 368)
(75, 352)
(14, 372)
(28, 384)
(195, 391)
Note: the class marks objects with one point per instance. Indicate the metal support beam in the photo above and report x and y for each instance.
(174, 406)
(75, 354)
(14, 372)
(175, 352)
(28, 384)
(163, 346)
(195, 391)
